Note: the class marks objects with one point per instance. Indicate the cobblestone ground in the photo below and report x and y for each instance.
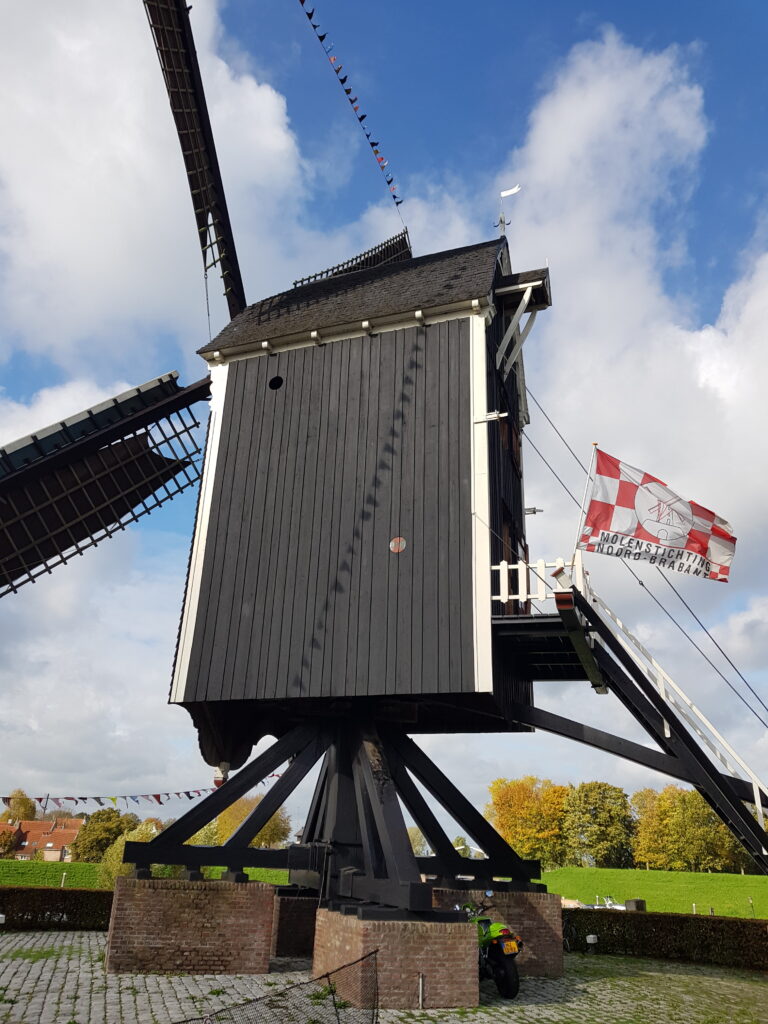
(59, 978)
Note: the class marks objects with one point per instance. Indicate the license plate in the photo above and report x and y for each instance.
(510, 946)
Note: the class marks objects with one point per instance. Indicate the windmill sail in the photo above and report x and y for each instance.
(65, 488)
(169, 21)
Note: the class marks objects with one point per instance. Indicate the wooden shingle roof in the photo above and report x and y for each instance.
(425, 282)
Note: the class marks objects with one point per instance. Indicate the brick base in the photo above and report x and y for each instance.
(163, 925)
(293, 927)
(536, 916)
(446, 954)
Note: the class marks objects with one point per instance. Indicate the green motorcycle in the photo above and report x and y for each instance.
(498, 948)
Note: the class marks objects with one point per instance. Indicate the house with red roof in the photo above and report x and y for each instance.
(51, 839)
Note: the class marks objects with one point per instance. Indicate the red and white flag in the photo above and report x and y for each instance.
(634, 515)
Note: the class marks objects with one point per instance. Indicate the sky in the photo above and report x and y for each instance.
(635, 133)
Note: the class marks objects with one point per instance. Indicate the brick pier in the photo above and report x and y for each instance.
(445, 954)
(161, 925)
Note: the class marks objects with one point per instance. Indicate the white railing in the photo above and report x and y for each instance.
(533, 581)
(673, 695)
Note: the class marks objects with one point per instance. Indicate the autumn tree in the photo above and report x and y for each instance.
(677, 830)
(598, 825)
(275, 832)
(529, 814)
(419, 844)
(7, 842)
(20, 807)
(649, 842)
(99, 832)
(111, 864)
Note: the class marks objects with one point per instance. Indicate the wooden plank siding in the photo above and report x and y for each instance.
(366, 440)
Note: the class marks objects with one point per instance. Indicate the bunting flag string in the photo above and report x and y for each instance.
(354, 103)
(155, 799)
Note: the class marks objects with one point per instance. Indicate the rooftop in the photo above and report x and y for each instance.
(424, 282)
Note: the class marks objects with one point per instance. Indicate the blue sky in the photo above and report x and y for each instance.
(636, 133)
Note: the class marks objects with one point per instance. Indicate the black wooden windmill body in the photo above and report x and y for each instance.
(362, 486)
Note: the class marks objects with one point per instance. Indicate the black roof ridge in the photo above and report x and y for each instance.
(349, 279)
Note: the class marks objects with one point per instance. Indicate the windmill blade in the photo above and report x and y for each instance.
(66, 488)
(172, 32)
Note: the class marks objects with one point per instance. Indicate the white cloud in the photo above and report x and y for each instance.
(98, 255)
(50, 405)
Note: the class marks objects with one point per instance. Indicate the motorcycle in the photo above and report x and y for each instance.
(498, 947)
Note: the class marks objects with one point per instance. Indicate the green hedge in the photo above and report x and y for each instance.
(727, 941)
(28, 908)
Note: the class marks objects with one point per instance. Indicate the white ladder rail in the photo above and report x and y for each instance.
(543, 590)
(692, 715)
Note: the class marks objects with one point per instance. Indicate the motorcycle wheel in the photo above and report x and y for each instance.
(506, 977)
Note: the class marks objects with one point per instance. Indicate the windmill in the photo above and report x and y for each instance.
(359, 571)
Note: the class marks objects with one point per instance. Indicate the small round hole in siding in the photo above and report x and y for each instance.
(275, 383)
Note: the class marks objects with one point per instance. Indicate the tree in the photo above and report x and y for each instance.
(111, 864)
(649, 842)
(7, 842)
(20, 807)
(275, 832)
(598, 825)
(529, 814)
(419, 843)
(58, 815)
(100, 832)
(677, 830)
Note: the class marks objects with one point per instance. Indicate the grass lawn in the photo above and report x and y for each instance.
(33, 872)
(666, 891)
(85, 876)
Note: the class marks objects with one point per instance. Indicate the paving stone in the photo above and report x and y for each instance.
(58, 977)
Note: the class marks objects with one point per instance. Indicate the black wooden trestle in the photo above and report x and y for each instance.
(355, 846)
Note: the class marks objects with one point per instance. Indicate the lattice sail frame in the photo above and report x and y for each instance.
(72, 485)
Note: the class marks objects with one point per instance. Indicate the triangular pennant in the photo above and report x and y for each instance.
(157, 798)
(398, 202)
(376, 152)
(354, 98)
(344, 79)
(99, 800)
(338, 69)
(134, 798)
(56, 800)
(188, 794)
(6, 800)
(361, 119)
(333, 59)
(323, 37)
(388, 178)
(393, 188)
(310, 14)
(147, 797)
(38, 799)
(113, 799)
(348, 92)
(373, 143)
(355, 106)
